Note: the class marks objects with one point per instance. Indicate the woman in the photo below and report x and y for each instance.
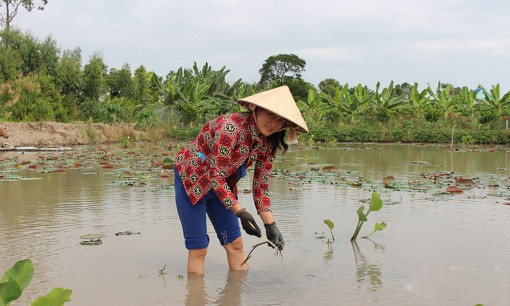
(208, 169)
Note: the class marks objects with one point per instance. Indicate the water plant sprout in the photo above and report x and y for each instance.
(330, 225)
(375, 205)
(377, 227)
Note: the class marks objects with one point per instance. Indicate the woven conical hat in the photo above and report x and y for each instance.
(279, 101)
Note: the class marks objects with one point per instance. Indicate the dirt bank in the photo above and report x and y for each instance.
(55, 134)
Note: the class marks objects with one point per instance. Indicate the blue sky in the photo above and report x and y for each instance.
(462, 42)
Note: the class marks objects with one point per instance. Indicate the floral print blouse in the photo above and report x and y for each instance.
(212, 160)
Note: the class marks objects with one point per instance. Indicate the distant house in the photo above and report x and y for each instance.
(480, 93)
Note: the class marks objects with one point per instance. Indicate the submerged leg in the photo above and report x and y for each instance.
(196, 261)
(235, 255)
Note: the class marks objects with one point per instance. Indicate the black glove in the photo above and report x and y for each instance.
(274, 235)
(248, 223)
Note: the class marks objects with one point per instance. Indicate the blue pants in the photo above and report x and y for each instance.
(193, 218)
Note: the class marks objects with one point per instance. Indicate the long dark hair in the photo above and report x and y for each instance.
(278, 141)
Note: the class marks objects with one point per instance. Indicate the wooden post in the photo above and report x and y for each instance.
(451, 145)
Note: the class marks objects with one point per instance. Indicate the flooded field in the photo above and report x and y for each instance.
(446, 242)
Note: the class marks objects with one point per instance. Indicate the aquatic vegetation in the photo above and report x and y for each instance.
(375, 205)
(162, 271)
(17, 279)
(92, 239)
(330, 225)
(377, 227)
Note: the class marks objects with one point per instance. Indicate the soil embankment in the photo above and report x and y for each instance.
(56, 134)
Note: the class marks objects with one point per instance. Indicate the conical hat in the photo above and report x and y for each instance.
(279, 101)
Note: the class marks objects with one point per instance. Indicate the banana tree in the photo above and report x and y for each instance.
(497, 104)
(346, 106)
(197, 94)
(468, 103)
(419, 101)
(446, 102)
(386, 104)
(311, 108)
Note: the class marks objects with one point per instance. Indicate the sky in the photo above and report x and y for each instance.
(461, 42)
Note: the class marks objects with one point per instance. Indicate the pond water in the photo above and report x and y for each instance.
(439, 248)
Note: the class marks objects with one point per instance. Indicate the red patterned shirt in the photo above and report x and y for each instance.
(226, 143)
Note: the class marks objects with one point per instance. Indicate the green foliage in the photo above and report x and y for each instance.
(183, 133)
(375, 205)
(329, 86)
(277, 67)
(146, 118)
(196, 94)
(377, 227)
(57, 297)
(330, 225)
(69, 72)
(120, 82)
(141, 88)
(39, 82)
(10, 64)
(17, 279)
(92, 110)
(94, 78)
(386, 103)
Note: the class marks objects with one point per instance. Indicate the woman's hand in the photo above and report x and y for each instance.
(274, 235)
(248, 222)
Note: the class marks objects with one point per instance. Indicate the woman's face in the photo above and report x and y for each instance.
(267, 122)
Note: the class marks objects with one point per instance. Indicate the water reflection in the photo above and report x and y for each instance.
(367, 273)
(196, 293)
(328, 255)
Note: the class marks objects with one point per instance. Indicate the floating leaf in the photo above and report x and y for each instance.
(454, 189)
(419, 162)
(388, 179)
(464, 181)
(92, 236)
(126, 174)
(168, 161)
(329, 168)
(92, 242)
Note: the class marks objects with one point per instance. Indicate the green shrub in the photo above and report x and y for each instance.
(183, 133)
(17, 279)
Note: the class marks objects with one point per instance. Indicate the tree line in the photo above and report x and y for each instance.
(41, 82)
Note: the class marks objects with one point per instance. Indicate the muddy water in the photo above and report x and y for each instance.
(438, 248)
